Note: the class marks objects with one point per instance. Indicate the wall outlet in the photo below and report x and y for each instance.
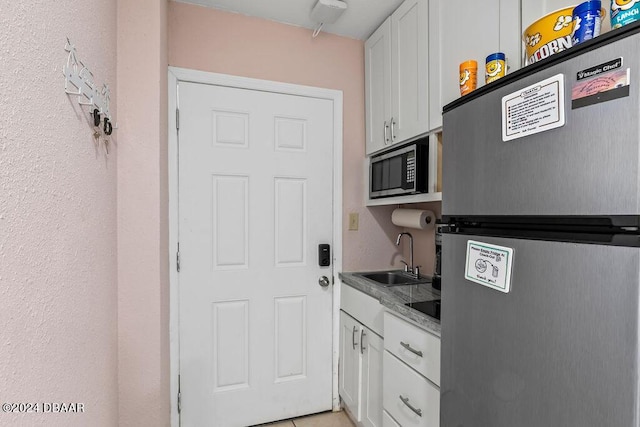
(353, 221)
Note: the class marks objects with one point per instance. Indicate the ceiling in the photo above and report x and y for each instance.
(361, 18)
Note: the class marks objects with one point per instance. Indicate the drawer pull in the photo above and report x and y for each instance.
(405, 400)
(412, 350)
(362, 335)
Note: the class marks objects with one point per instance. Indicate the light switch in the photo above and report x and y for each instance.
(353, 221)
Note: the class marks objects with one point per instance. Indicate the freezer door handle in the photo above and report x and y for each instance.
(411, 349)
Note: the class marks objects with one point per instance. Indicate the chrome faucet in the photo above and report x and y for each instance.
(409, 268)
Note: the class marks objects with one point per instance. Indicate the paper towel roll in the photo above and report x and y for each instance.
(413, 218)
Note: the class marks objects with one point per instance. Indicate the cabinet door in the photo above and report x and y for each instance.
(372, 348)
(510, 41)
(472, 32)
(377, 78)
(410, 73)
(478, 30)
(349, 372)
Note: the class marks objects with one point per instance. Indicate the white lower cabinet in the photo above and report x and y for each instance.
(372, 351)
(409, 397)
(411, 374)
(389, 368)
(360, 373)
(349, 371)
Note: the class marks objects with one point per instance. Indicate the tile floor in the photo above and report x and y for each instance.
(326, 419)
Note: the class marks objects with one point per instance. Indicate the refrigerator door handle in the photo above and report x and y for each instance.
(411, 349)
(405, 400)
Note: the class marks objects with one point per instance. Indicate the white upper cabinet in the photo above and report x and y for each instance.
(410, 74)
(377, 59)
(397, 77)
(435, 64)
(475, 30)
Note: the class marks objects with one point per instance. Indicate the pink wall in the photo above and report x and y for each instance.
(143, 285)
(58, 283)
(211, 40)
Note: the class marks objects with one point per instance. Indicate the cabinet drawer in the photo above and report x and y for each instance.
(417, 348)
(387, 421)
(367, 310)
(408, 397)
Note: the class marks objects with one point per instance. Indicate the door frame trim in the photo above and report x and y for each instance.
(176, 75)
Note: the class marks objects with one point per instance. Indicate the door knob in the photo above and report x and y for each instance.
(323, 281)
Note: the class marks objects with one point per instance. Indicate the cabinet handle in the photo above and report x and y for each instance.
(386, 137)
(393, 129)
(412, 350)
(353, 337)
(362, 347)
(405, 400)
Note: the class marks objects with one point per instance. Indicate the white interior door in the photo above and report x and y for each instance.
(255, 200)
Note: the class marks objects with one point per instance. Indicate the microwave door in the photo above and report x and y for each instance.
(396, 172)
(387, 177)
(376, 177)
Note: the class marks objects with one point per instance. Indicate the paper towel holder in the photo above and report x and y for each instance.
(413, 218)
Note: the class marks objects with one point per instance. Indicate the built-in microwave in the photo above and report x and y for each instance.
(401, 171)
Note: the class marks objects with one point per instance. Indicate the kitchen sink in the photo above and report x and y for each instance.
(393, 278)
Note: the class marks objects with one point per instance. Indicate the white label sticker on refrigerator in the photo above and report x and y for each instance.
(489, 265)
(534, 109)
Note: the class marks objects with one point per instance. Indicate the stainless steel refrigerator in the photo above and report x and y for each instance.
(541, 258)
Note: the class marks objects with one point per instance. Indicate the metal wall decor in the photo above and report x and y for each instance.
(79, 82)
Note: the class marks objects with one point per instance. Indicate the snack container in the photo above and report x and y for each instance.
(624, 12)
(468, 76)
(587, 21)
(495, 67)
(548, 35)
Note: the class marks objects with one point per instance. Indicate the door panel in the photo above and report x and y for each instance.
(560, 349)
(290, 338)
(230, 332)
(255, 200)
(230, 222)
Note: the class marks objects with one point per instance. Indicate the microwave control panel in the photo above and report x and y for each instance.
(411, 167)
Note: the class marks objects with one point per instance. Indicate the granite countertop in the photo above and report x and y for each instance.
(394, 298)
